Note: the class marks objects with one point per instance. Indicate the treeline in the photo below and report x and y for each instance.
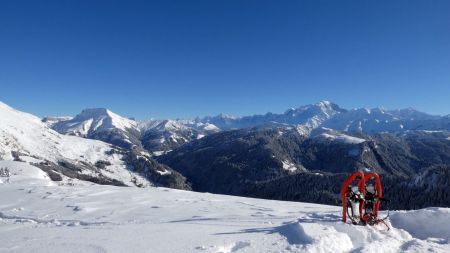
(431, 188)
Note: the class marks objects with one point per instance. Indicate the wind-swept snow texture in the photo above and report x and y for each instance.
(38, 216)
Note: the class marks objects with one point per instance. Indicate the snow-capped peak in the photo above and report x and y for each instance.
(322, 106)
(94, 120)
(108, 119)
(324, 103)
(94, 112)
(225, 116)
(170, 125)
(102, 124)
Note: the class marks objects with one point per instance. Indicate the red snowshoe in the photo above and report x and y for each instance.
(361, 201)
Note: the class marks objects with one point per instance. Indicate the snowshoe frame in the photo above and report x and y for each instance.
(348, 196)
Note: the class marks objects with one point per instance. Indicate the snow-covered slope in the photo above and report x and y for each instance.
(24, 133)
(94, 218)
(51, 120)
(341, 138)
(365, 120)
(101, 124)
(160, 136)
(24, 173)
(24, 137)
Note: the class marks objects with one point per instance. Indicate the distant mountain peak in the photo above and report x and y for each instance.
(95, 112)
(169, 124)
(324, 103)
(102, 124)
(114, 120)
(225, 116)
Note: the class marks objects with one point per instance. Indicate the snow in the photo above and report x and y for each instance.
(165, 172)
(342, 138)
(170, 125)
(120, 122)
(289, 166)
(367, 170)
(432, 131)
(43, 217)
(145, 125)
(302, 130)
(158, 153)
(50, 121)
(432, 222)
(24, 173)
(30, 159)
(210, 127)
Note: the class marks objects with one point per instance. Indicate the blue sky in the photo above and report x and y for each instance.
(169, 59)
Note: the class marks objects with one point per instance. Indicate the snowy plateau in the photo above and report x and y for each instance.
(38, 215)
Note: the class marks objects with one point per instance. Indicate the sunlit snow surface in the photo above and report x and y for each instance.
(37, 215)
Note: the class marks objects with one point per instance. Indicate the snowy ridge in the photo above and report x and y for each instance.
(25, 137)
(165, 135)
(26, 133)
(342, 138)
(93, 218)
(51, 120)
(23, 173)
(327, 134)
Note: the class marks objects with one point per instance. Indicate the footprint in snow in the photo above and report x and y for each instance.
(235, 247)
(75, 208)
(17, 209)
(200, 248)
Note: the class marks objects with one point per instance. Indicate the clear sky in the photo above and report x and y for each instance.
(169, 59)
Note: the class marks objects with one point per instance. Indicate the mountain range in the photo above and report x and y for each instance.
(161, 136)
(302, 154)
